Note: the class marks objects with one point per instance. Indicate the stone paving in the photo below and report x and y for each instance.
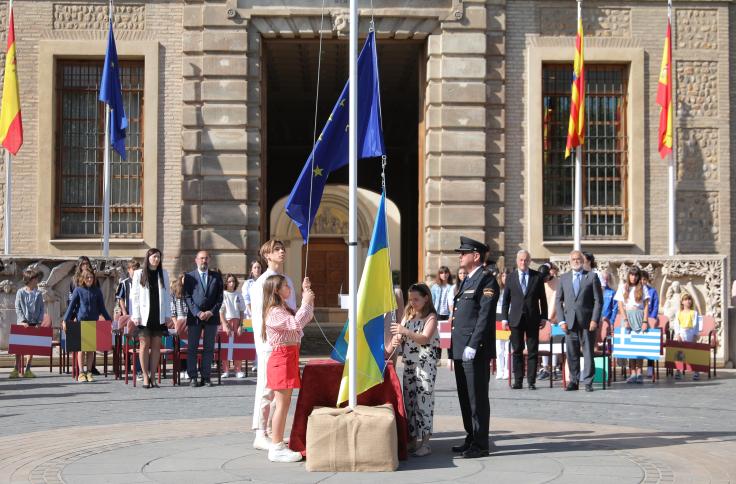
(56, 430)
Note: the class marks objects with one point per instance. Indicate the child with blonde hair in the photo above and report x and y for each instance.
(687, 326)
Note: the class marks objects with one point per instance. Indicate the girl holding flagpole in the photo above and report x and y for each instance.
(282, 329)
(420, 342)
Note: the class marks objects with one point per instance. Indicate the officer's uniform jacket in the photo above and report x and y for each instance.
(474, 315)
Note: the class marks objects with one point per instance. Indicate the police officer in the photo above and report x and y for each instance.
(473, 346)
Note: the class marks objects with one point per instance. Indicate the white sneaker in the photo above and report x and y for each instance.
(261, 442)
(139, 377)
(184, 376)
(499, 376)
(240, 374)
(280, 453)
(225, 374)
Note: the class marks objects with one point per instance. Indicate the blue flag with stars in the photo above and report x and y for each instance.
(331, 150)
(111, 93)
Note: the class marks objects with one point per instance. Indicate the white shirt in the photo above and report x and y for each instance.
(256, 302)
(630, 301)
(232, 305)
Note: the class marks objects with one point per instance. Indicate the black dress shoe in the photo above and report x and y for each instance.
(588, 388)
(474, 453)
(460, 448)
(516, 386)
(532, 386)
(95, 371)
(193, 382)
(571, 387)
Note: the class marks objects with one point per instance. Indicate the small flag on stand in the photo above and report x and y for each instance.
(645, 345)
(686, 356)
(445, 334)
(576, 125)
(89, 336)
(664, 97)
(27, 340)
(237, 347)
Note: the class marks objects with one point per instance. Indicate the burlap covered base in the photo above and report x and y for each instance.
(363, 440)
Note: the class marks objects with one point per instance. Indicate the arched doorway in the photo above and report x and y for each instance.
(327, 261)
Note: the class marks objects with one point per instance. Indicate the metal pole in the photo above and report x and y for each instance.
(353, 205)
(106, 178)
(8, 198)
(671, 168)
(8, 178)
(578, 209)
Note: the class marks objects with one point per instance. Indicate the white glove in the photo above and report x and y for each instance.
(468, 353)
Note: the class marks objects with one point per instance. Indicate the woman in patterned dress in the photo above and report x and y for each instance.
(419, 339)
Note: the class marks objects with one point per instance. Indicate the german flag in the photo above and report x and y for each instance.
(687, 356)
(11, 126)
(89, 336)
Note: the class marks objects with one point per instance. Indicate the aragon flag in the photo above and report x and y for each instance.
(89, 336)
(576, 125)
(11, 125)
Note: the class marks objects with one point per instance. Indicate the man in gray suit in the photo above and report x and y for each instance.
(579, 302)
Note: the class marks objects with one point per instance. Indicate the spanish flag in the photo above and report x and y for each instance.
(11, 126)
(375, 298)
(664, 97)
(686, 356)
(89, 336)
(576, 126)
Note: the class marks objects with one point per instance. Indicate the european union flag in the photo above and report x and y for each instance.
(111, 94)
(331, 150)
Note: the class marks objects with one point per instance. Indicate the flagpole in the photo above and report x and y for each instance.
(578, 209)
(8, 178)
(8, 198)
(671, 168)
(106, 177)
(353, 206)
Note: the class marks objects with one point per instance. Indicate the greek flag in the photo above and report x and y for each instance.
(633, 345)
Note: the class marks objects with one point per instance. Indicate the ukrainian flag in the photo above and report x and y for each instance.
(375, 298)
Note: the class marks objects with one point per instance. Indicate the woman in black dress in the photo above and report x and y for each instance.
(151, 312)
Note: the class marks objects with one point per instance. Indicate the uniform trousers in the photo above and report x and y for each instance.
(471, 379)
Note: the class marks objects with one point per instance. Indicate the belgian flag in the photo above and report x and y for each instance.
(89, 336)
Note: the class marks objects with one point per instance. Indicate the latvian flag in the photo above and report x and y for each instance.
(445, 334)
(687, 356)
(646, 345)
(89, 336)
(237, 348)
(30, 341)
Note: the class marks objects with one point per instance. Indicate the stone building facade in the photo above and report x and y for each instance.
(480, 148)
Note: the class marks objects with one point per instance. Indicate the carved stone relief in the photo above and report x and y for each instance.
(696, 28)
(697, 88)
(71, 16)
(698, 217)
(697, 154)
(329, 222)
(597, 22)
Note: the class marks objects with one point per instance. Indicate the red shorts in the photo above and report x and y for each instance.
(282, 371)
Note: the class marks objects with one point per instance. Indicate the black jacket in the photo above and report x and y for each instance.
(532, 305)
(474, 316)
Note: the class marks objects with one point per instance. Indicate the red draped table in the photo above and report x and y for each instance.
(320, 386)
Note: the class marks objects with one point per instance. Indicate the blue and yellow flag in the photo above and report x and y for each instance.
(375, 298)
(331, 149)
(111, 93)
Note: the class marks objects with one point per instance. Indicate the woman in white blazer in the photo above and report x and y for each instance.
(151, 312)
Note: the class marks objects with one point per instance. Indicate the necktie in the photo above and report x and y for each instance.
(523, 282)
(203, 277)
(576, 284)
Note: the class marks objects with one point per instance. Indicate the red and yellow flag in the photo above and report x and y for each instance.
(664, 97)
(11, 126)
(576, 126)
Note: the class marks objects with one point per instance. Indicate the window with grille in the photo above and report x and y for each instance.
(604, 153)
(80, 143)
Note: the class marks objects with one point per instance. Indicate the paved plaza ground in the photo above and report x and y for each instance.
(55, 430)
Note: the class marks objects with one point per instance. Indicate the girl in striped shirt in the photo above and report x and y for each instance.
(282, 329)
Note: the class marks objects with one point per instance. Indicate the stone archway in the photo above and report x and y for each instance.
(332, 222)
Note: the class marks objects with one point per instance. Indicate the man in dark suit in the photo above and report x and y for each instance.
(525, 312)
(579, 302)
(203, 295)
(474, 345)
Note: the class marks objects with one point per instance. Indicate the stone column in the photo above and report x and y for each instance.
(464, 133)
(221, 171)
